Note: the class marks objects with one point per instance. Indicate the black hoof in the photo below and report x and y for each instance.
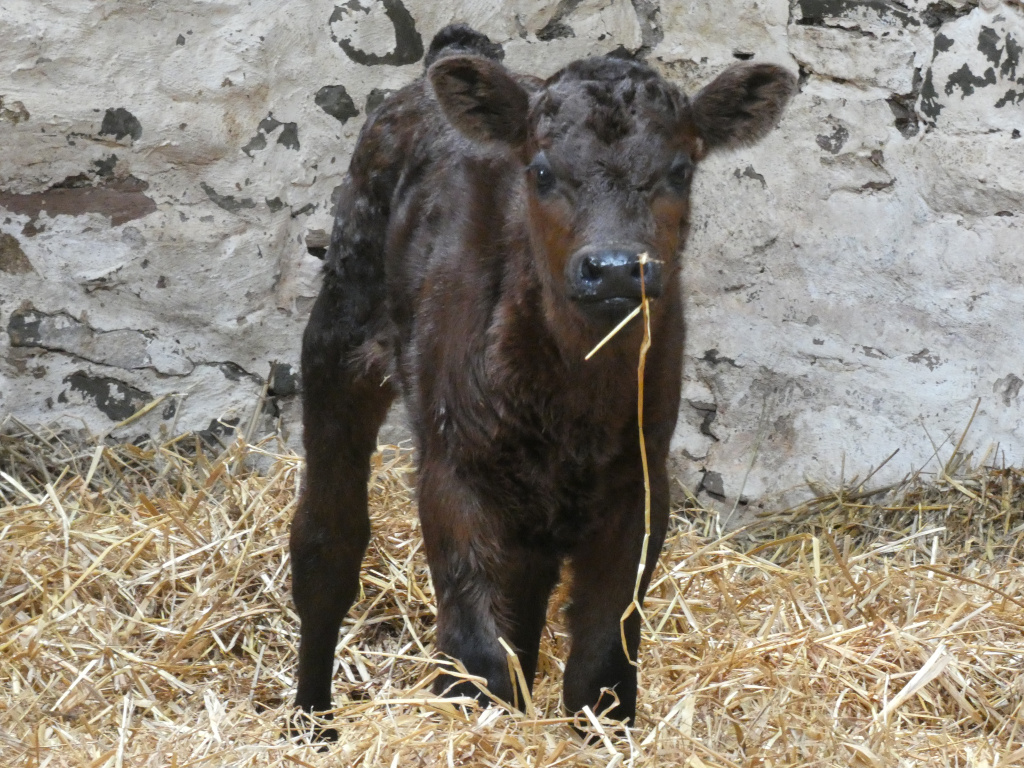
(309, 728)
(474, 697)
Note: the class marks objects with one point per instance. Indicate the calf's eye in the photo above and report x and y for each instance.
(545, 179)
(679, 175)
(544, 176)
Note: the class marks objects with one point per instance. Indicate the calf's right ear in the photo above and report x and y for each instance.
(742, 105)
(480, 99)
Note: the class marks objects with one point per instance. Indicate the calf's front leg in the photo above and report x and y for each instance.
(604, 571)
(488, 586)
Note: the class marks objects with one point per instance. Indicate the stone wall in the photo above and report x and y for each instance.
(854, 284)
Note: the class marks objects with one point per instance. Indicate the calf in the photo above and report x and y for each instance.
(491, 230)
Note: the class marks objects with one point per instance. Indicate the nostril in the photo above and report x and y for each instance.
(648, 270)
(589, 269)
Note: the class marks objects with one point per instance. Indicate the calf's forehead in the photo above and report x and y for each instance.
(603, 109)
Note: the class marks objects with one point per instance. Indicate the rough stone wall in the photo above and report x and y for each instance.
(854, 283)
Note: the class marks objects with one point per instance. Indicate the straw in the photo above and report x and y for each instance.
(146, 620)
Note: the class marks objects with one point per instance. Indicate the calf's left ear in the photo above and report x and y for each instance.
(481, 99)
(742, 105)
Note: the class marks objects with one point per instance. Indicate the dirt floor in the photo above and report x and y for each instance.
(145, 620)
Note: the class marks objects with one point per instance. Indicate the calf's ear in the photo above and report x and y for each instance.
(742, 105)
(480, 98)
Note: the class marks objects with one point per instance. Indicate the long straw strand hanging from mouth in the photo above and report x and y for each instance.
(645, 345)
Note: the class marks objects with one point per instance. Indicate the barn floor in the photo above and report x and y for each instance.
(145, 620)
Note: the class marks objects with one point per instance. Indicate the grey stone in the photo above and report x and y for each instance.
(853, 277)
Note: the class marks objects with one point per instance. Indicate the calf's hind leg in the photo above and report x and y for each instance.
(344, 405)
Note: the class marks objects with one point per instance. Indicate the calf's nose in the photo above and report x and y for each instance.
(607, 273)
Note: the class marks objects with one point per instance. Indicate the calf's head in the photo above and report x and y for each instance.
(608, 150)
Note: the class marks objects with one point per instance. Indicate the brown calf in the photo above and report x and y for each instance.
(489, 233)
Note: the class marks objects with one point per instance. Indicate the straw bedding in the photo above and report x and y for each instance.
(145, 620)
